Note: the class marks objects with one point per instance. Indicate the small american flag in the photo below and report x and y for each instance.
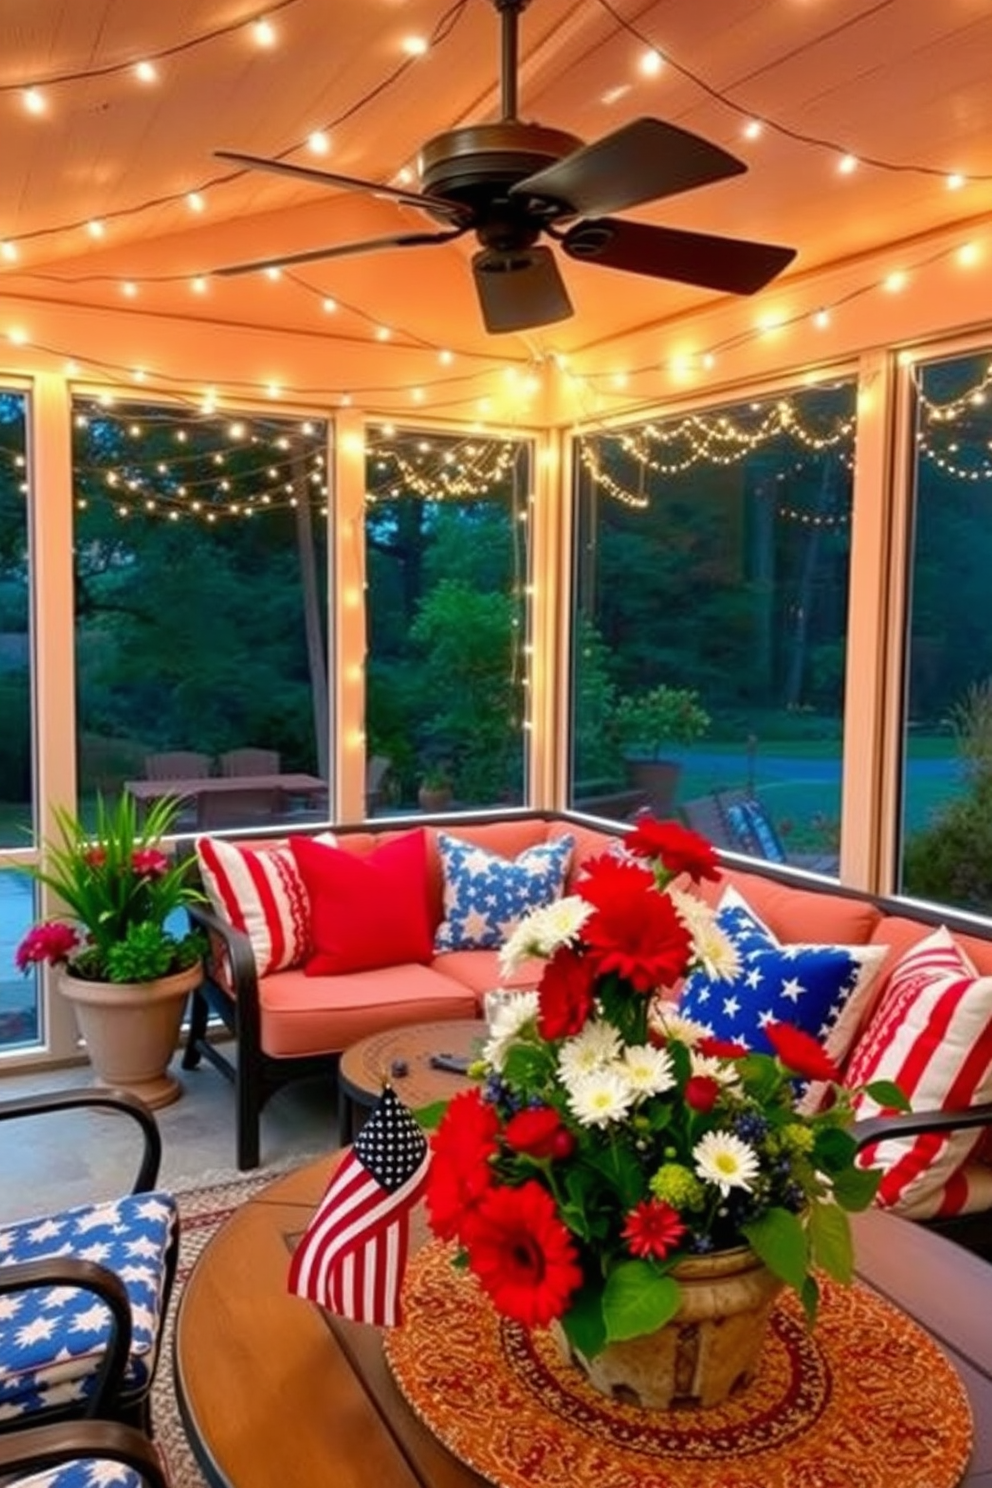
(352, 1256)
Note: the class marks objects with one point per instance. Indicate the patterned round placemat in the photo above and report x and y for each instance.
(867, 1400)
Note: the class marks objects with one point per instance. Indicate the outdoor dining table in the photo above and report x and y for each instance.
(206, 788)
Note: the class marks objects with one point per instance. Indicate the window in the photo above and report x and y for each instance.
(19, 1007)
(711, 608)
(201, 609)
(947, 740)
(446, 540)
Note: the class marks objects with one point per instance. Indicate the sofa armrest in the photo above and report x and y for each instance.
(101, 1098)
(914, 1123)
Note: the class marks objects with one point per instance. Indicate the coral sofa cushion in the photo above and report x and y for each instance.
(366, 911)
(323, 1015)
(485, 895)
(795, 914)
(821, 989)
(259, 891)
(932, 1034)
(480, 970)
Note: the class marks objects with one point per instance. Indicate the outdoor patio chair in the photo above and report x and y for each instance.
(80, 1454)
(250, 762)
(84, 1291)
(177, 764)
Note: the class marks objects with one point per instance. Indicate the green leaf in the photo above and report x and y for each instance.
(622, 1171)
(829, 1231)
(886, 1093)
(527, 1066)
(809, 1296)
(779, 1239)
(429, 1117)
(583, 1322)
(834, 1150)
(638, 1298)
(855, 1188)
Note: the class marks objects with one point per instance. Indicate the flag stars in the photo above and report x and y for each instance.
(792, 989)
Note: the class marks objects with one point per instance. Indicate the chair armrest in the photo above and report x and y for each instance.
(914, 1123)
(89, 1276)
(240, 956)
(106, 1099)
(38, 1448)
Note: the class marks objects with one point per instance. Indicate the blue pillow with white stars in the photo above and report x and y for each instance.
(486, 896)
(822, 989)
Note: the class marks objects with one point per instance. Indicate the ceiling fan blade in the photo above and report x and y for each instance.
(518, 290)
(732, 264)
(437, 205)
(643, 161)
(340, 250)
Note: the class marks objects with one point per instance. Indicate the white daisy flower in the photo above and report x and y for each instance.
(665, 1020)
(542, 932)
(714, 952)
(725, 1160)
(647, 1070)
(595, 1048)
(723, 1071)
(600, 1097)
(519, 1010)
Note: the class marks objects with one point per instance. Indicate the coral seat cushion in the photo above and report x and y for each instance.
(369, 911)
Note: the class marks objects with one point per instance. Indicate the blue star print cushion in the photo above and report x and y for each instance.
(485, 896)
(823, 989)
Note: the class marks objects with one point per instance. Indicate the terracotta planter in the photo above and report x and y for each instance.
(659, 779)
(712, 1345)
(434, 797)
(131, 1030)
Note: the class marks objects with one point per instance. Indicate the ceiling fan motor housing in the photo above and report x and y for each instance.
(478, 164)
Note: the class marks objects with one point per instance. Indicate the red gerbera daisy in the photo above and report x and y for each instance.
(565, 994)
(633, 930)
(680, 849)
(523, 1255)
(460, 1171)
(653, 1229)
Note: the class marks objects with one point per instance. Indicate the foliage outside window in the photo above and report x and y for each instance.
(200, 574)
(947, 741)
(19, 1002)
(711, 573)
(446, 541)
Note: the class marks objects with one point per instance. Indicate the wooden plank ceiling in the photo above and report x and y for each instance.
(901, 82)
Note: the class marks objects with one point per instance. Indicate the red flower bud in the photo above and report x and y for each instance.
(536, 1133)
(701, 1092)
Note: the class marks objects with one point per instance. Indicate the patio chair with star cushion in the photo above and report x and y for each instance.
(84, 1290)
(80, 1454)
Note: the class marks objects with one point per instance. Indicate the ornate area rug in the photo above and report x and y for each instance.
(201, 1212)
(865, 1401)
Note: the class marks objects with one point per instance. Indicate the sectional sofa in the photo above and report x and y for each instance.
(287, 1023)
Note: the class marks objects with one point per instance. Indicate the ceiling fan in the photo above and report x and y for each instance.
(511, 181)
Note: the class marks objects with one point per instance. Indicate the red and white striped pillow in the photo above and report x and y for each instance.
(932, 1034)
(259, 890)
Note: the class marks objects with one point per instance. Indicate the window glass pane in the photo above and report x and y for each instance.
(19, 1003)
(711, 605)
(446, 538)
(947, 795)
(201, 608)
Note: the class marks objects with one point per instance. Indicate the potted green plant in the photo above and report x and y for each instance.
(651, 726)
(434, 793)
(126, 974)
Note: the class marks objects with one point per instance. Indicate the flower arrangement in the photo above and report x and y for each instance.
(610, 1139)
(120, 887)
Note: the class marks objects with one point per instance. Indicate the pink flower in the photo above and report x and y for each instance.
(150, 862)
(49, 942)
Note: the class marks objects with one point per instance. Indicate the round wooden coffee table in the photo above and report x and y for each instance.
(403, 1057)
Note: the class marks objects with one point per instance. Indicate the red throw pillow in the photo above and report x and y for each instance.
(366, 911)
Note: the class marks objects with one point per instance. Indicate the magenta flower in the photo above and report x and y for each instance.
(150, 862)
(49, 942)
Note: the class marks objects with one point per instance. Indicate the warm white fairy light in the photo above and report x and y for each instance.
(8, 251)
(821, 319)
(650, 63)
(895, 282)
(382, 333)
(445, 357)
(273, 390)
(954, 181)
(968, 255)
(195, 201)
(847, 164)
(198, 285)
(17, 336)
(146, 72)
(273, 272)
(129, 289)
(263, 32)
(34, 101)
(95, 227)
(752, 129)
(329, 305)
(415, 46)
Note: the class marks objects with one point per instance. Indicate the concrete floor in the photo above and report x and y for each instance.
(49, 1162)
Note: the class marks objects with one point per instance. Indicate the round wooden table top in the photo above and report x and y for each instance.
(403, 1057)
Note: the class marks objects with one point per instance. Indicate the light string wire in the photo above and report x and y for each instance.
(442, 29)
(798, 136)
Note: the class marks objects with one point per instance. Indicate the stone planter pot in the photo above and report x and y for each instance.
(711, 1346)
(131, 1030)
